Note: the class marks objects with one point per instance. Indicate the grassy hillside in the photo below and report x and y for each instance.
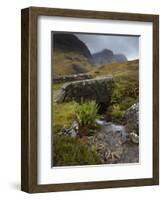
(65, 63)
(116, 69)
(126, 89)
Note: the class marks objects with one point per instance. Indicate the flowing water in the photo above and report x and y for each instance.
(115, 139)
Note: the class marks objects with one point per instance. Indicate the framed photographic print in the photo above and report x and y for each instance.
(90, 100)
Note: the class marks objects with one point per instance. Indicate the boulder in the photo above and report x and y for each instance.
(99, 89)
(132, 119)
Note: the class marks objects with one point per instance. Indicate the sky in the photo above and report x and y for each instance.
(127, 45)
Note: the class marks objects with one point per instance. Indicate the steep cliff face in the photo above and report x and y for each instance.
(70, 55)
(106, 56)
(70, 43)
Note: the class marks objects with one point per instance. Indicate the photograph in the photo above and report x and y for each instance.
(90, 99)
(95, 99)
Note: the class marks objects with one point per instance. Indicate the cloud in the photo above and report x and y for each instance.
(127, 45)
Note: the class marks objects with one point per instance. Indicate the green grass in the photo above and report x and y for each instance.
(116, 115)
(63, 115)
(57, 86)
(64, 61)
(68, 150)
(72, 151)
(87, 113)
(115, 68)
(126, 87)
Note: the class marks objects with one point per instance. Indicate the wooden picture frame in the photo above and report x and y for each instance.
(29, 97)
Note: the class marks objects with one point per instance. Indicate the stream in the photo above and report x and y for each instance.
(113, 144)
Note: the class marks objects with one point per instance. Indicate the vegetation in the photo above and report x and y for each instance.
(126, 87)
(86, 114)
(57, 86)
(72, 151)
(116, 115)
(65, 63)
(63, 115)
(68, 150)
(115, 68)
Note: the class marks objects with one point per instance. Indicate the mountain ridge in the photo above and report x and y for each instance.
(106, 56)
(72, 56)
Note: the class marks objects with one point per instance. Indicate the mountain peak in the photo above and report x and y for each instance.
(107, 56)
(106, 51)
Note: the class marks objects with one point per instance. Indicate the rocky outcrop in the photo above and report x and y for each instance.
(99, 89)
(106, 56)
(132, 118)
(73, 77)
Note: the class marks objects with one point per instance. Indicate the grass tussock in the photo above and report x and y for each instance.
(86, 115)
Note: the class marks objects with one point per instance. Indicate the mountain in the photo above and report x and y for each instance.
(120, 58)
(70, 55)
(106, 56)
(69, 42)
(103, 57)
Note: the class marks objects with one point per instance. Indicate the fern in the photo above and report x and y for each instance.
(87, 113)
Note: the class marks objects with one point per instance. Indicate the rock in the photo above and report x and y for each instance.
(69, 132)
(113, 145)
(132, 119)
(75, 126)
(99, 89)
(134, 137)
(73, 131)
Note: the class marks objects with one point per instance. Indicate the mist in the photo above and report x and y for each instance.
(119, 44)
